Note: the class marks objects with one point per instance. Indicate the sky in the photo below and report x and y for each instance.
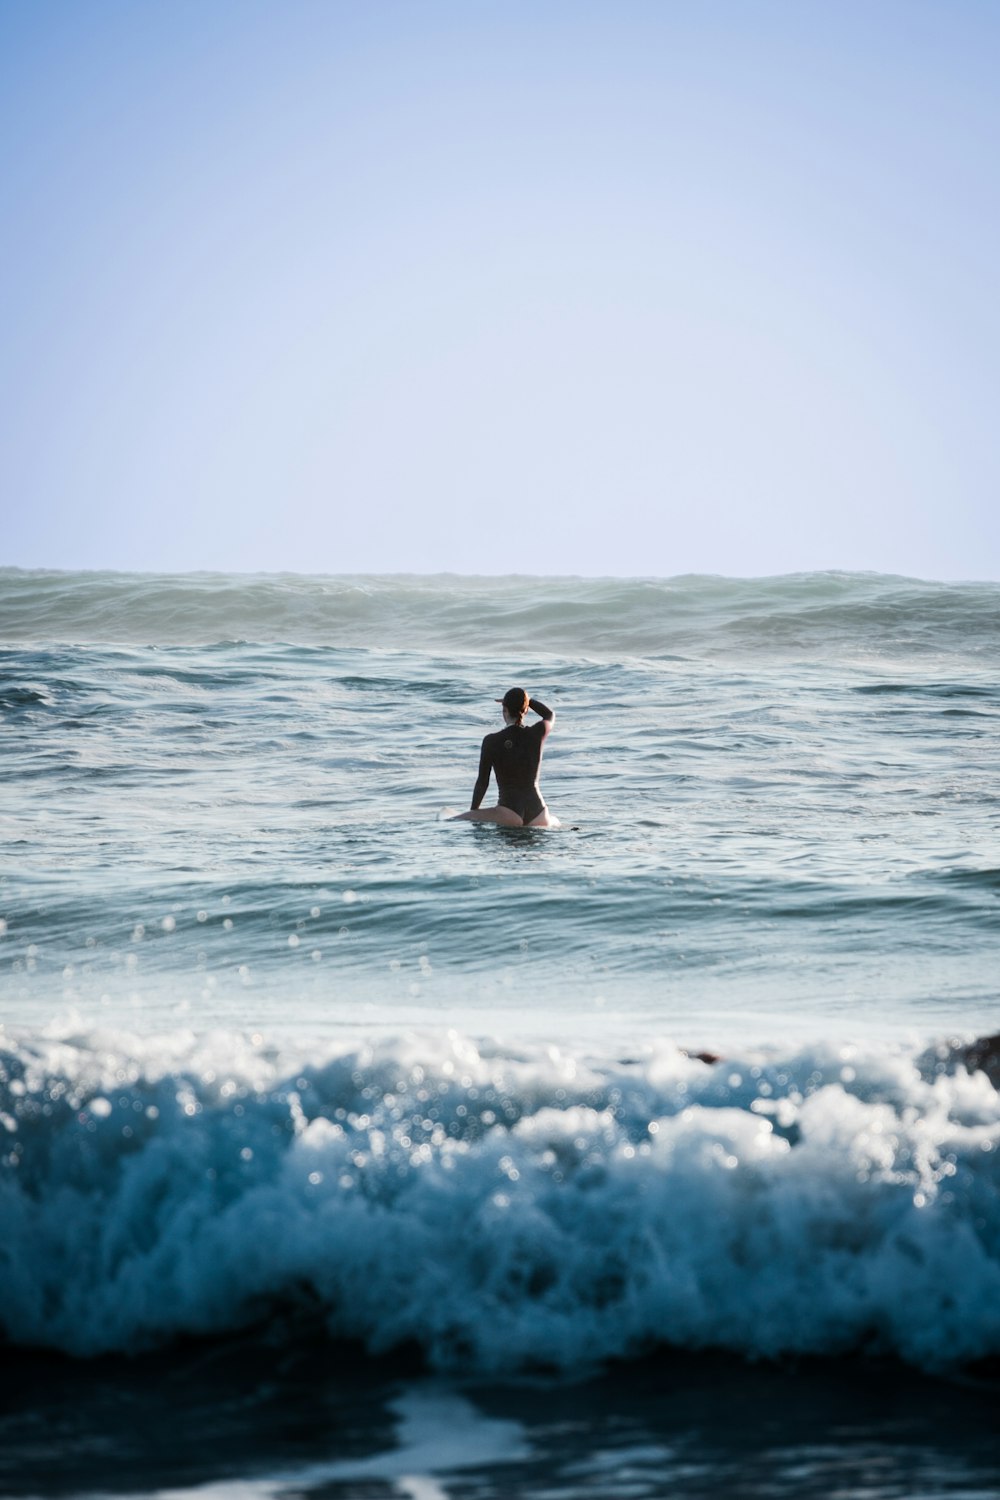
(622, 288)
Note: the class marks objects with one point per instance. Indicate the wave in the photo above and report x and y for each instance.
(499, 1208)
(872, 615)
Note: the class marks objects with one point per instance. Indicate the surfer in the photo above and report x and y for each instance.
(514, 754)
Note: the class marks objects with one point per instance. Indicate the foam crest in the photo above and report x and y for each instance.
(499, 1207)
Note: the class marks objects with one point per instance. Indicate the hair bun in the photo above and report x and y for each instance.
(515, 701)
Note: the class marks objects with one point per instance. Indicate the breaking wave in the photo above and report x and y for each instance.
(499, 1208)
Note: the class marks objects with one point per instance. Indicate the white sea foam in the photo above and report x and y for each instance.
(499, 1208)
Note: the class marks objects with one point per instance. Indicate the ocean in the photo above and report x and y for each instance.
(348, 1151)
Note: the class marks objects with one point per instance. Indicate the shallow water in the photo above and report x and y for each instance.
(291, 1422)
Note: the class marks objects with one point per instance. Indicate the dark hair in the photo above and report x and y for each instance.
(515, 701)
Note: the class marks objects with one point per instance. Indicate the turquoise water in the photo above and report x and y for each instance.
(282, 1047)
(781, 817)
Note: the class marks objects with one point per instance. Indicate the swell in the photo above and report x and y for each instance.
(870, 614)
(296, 933)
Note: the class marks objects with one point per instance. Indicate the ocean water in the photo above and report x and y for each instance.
(376, 1152)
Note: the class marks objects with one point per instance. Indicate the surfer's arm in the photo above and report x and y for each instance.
(546, 715)
(483, 779)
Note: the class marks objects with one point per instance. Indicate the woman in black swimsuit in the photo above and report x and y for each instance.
(514, 754)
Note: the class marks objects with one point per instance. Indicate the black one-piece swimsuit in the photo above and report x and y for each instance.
(515, 754)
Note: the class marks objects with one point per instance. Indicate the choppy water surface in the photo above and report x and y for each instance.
(781, 814)
(278, 1037)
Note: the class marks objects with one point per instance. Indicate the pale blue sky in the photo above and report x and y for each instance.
(635, 288)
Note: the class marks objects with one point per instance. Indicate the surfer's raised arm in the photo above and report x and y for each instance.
(546, 715)
(514, 754)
